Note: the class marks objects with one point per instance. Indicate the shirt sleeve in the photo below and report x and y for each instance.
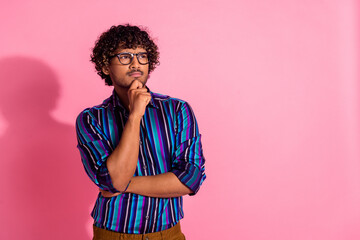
(94, 148)
(189, 161)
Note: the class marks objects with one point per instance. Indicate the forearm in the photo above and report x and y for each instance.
(164, 185)
(122, 162)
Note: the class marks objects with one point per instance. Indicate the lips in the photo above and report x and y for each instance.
(135, 74)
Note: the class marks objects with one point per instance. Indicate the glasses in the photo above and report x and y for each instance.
(126, 58)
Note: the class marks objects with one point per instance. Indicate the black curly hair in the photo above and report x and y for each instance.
(124, 36)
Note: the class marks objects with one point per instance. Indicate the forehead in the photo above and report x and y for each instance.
(130, 50)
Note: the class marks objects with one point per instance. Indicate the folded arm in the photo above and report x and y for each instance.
(187, 173)
(164, 185)
(112, 168)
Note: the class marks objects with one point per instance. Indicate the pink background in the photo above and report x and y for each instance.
(274, 85)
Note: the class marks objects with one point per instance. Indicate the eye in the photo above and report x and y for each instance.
(143, 55)
(125, 56)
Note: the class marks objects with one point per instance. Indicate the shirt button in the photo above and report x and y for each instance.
(147, 217)
(144, 167)
(146, 238)
(140, 141)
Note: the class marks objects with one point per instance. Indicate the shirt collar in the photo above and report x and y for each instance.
(117, 103)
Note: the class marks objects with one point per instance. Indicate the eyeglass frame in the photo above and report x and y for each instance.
(132, 57)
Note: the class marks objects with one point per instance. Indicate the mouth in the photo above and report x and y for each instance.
(135, 74)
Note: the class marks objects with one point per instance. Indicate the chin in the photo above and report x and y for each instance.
(143, 81)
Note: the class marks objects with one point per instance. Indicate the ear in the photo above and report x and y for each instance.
(105, 69)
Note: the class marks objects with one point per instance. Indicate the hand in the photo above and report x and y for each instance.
(108, 194)
(138, 98)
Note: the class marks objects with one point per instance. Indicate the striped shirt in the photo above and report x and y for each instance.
(169, 142)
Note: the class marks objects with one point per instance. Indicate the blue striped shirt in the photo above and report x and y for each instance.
(169, 142)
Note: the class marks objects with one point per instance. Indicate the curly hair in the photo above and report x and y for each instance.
(124, 36)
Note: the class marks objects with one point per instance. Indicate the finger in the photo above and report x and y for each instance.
(147, 98)
(135, 85)
(144, 95)
(134, 93)
(138, 90)
(108, 194)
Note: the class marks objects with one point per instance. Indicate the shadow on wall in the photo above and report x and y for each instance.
(44, 191)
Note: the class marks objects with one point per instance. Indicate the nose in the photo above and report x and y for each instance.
(135, 63)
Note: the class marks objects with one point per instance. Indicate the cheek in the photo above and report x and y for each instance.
(120, 72)
(147, 69)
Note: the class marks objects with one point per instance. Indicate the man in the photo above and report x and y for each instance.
(142, 149)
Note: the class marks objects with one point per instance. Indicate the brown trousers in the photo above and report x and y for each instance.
(173, 233)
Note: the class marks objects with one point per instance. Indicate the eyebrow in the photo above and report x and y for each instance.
(130, 52)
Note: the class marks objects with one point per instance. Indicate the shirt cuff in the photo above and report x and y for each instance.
(104, 179)
(190, 176)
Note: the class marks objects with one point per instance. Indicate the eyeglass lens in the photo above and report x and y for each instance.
(127, 58)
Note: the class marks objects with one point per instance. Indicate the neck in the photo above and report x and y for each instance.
(123, 96)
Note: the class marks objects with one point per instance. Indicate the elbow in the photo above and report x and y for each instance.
(122, 186)
(120, 180)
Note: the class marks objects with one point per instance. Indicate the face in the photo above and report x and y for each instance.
(123, 75)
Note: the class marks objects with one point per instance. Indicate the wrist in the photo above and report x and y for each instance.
(134, 118)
